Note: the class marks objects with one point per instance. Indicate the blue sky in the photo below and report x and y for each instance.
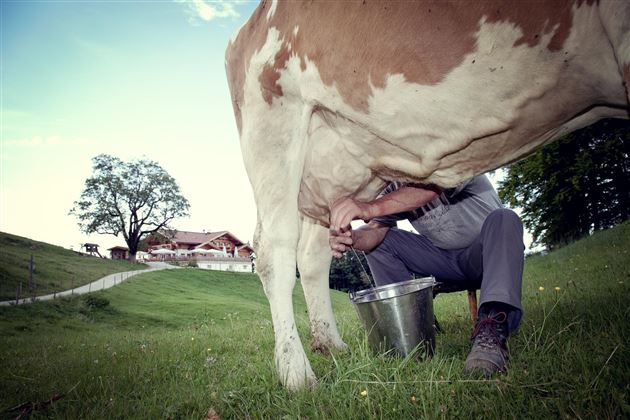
(132, 79)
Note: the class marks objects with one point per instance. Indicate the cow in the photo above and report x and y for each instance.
(336, 99)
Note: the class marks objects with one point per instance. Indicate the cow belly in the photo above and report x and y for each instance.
(337, 164)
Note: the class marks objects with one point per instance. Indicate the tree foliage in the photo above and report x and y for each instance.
(573, 186)
(350, 272)
(133, 198)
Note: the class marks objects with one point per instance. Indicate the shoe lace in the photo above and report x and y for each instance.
(487, 329)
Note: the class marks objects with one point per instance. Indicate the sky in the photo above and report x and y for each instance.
(134, 79)
(129, 78)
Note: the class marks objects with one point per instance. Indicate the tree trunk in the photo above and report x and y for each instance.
(132, 245)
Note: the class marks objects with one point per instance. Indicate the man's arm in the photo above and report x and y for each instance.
(369, 236)
(365, 238)
(346, 209)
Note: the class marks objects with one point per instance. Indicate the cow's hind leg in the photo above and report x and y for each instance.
(313, 259)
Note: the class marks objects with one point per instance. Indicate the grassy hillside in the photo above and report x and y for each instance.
(56, 268)
(178, 343)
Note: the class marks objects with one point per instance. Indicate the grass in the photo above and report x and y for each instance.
(178, 343)
(56, 268)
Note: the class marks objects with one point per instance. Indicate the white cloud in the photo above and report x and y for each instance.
(210, 10)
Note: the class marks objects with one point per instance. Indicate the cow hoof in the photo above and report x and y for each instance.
(294, 368)
(297, 380)
(328, 346)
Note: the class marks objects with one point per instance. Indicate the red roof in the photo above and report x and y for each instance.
(246, 246)
(184, 237)
(196, 238)
(116, 248)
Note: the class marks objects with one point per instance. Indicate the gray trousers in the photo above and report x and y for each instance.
(493, 262)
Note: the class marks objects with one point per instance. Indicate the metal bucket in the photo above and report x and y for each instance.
(399, 316)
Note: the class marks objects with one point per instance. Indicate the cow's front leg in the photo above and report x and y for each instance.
(276, 249)
(314, 264)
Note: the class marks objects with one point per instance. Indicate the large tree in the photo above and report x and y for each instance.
(574, 186)
(132, 198)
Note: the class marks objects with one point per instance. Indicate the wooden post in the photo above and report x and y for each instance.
(472, 303)
(17, 295)
(31, 283)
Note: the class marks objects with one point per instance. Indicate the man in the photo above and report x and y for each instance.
(466, 238)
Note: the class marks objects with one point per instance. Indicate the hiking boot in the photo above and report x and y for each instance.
(489, 351)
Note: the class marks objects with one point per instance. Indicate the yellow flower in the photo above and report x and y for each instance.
(364, 393)
(413, 398)
(209, 349)
(557, 289)
(193, 339)
(542, 289)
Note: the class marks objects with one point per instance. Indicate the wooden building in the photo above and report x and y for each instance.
(119, 253)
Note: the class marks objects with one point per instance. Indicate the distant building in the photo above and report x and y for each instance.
(239, 264)
(211, 250)
(119, 253)
(142, 256)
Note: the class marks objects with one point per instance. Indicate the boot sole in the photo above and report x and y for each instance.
(481, 367)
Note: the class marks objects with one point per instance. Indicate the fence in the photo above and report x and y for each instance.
(28, 292)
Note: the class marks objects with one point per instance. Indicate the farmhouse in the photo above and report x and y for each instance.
(210, 250)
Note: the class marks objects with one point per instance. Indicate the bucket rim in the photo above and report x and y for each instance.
(360, 296)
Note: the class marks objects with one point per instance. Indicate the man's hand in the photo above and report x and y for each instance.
(340, 242)
(367, 237)
(345, 210)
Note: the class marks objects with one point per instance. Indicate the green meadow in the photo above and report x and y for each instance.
(198, 344)
(55, 268)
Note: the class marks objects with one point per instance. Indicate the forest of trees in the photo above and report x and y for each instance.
(575, 186)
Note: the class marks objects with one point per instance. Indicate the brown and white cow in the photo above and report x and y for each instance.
(336, 99)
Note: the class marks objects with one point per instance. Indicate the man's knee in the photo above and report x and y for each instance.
(505, 217)
(503, 224)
